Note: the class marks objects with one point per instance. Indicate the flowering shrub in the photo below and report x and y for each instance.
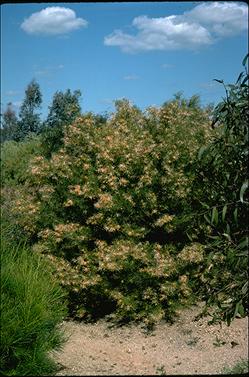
(99, 207)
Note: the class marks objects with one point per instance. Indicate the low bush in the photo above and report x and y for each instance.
(32, 308)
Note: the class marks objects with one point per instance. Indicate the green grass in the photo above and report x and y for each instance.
(240, 368)
(32, 307)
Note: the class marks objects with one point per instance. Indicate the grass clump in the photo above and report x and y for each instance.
(32, 307)
(240, 368)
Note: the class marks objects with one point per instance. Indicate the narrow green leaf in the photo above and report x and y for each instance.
(239, 78)
(245, 288)
(236, 309)
(189, 237)
(204, 205)
(228, 230)
(227, 236)
(201, 151)
(244, 81)
(214, 219)
(245, 59)
(242, 190)
(235, 215)
(224, 211)
(220, 81)
(244, 243)
(244, 253)
(207, 219)
(241, 310)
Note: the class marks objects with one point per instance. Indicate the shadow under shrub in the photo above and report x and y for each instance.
(32, 307)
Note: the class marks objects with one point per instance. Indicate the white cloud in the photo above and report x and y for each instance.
(223, 19)
(165, 33)
(131, 77)
(199, 27)
(53, 21)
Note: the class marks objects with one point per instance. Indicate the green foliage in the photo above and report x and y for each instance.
(240, 368)
(29, 120)
(9, 124)
(221, 189)
(64, 110)
(108, 206)
(15, 157)
(139, 212)
(32, 307)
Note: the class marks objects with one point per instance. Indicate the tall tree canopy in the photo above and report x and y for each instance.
(9, 124)
(65, 108)
(29, 118)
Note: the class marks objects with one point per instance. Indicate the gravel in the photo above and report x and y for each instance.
(187, 347)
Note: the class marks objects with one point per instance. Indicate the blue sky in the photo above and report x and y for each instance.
(144, 51)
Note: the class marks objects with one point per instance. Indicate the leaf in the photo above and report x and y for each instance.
(235, 215)
(245, 59)
(201, 151)
(236, 309)
(224, 211)
(204, 204)
(207, 219)
(242, 190)
(244, 253)
(227, 236)
(244, 81)
(245, 288)
(220, 81)
(239, 78)
(243, 243)
(189, 237)
(228, 230)
(214, 219)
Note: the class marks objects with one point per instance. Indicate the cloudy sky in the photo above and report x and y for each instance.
(144, 51)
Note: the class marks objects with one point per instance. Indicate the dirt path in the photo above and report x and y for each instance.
(186, 347)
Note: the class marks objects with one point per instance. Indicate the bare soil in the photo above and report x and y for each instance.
(187, 347)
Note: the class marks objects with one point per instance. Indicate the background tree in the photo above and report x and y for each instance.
(64, 110)
(29, 119)
(9, 124)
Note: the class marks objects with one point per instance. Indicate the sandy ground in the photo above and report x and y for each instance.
(186, 347)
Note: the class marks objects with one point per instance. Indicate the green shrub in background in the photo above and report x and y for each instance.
(15, 157)
(32, 308)
(107, 210)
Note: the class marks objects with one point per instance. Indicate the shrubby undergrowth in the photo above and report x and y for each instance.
(142, 212)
